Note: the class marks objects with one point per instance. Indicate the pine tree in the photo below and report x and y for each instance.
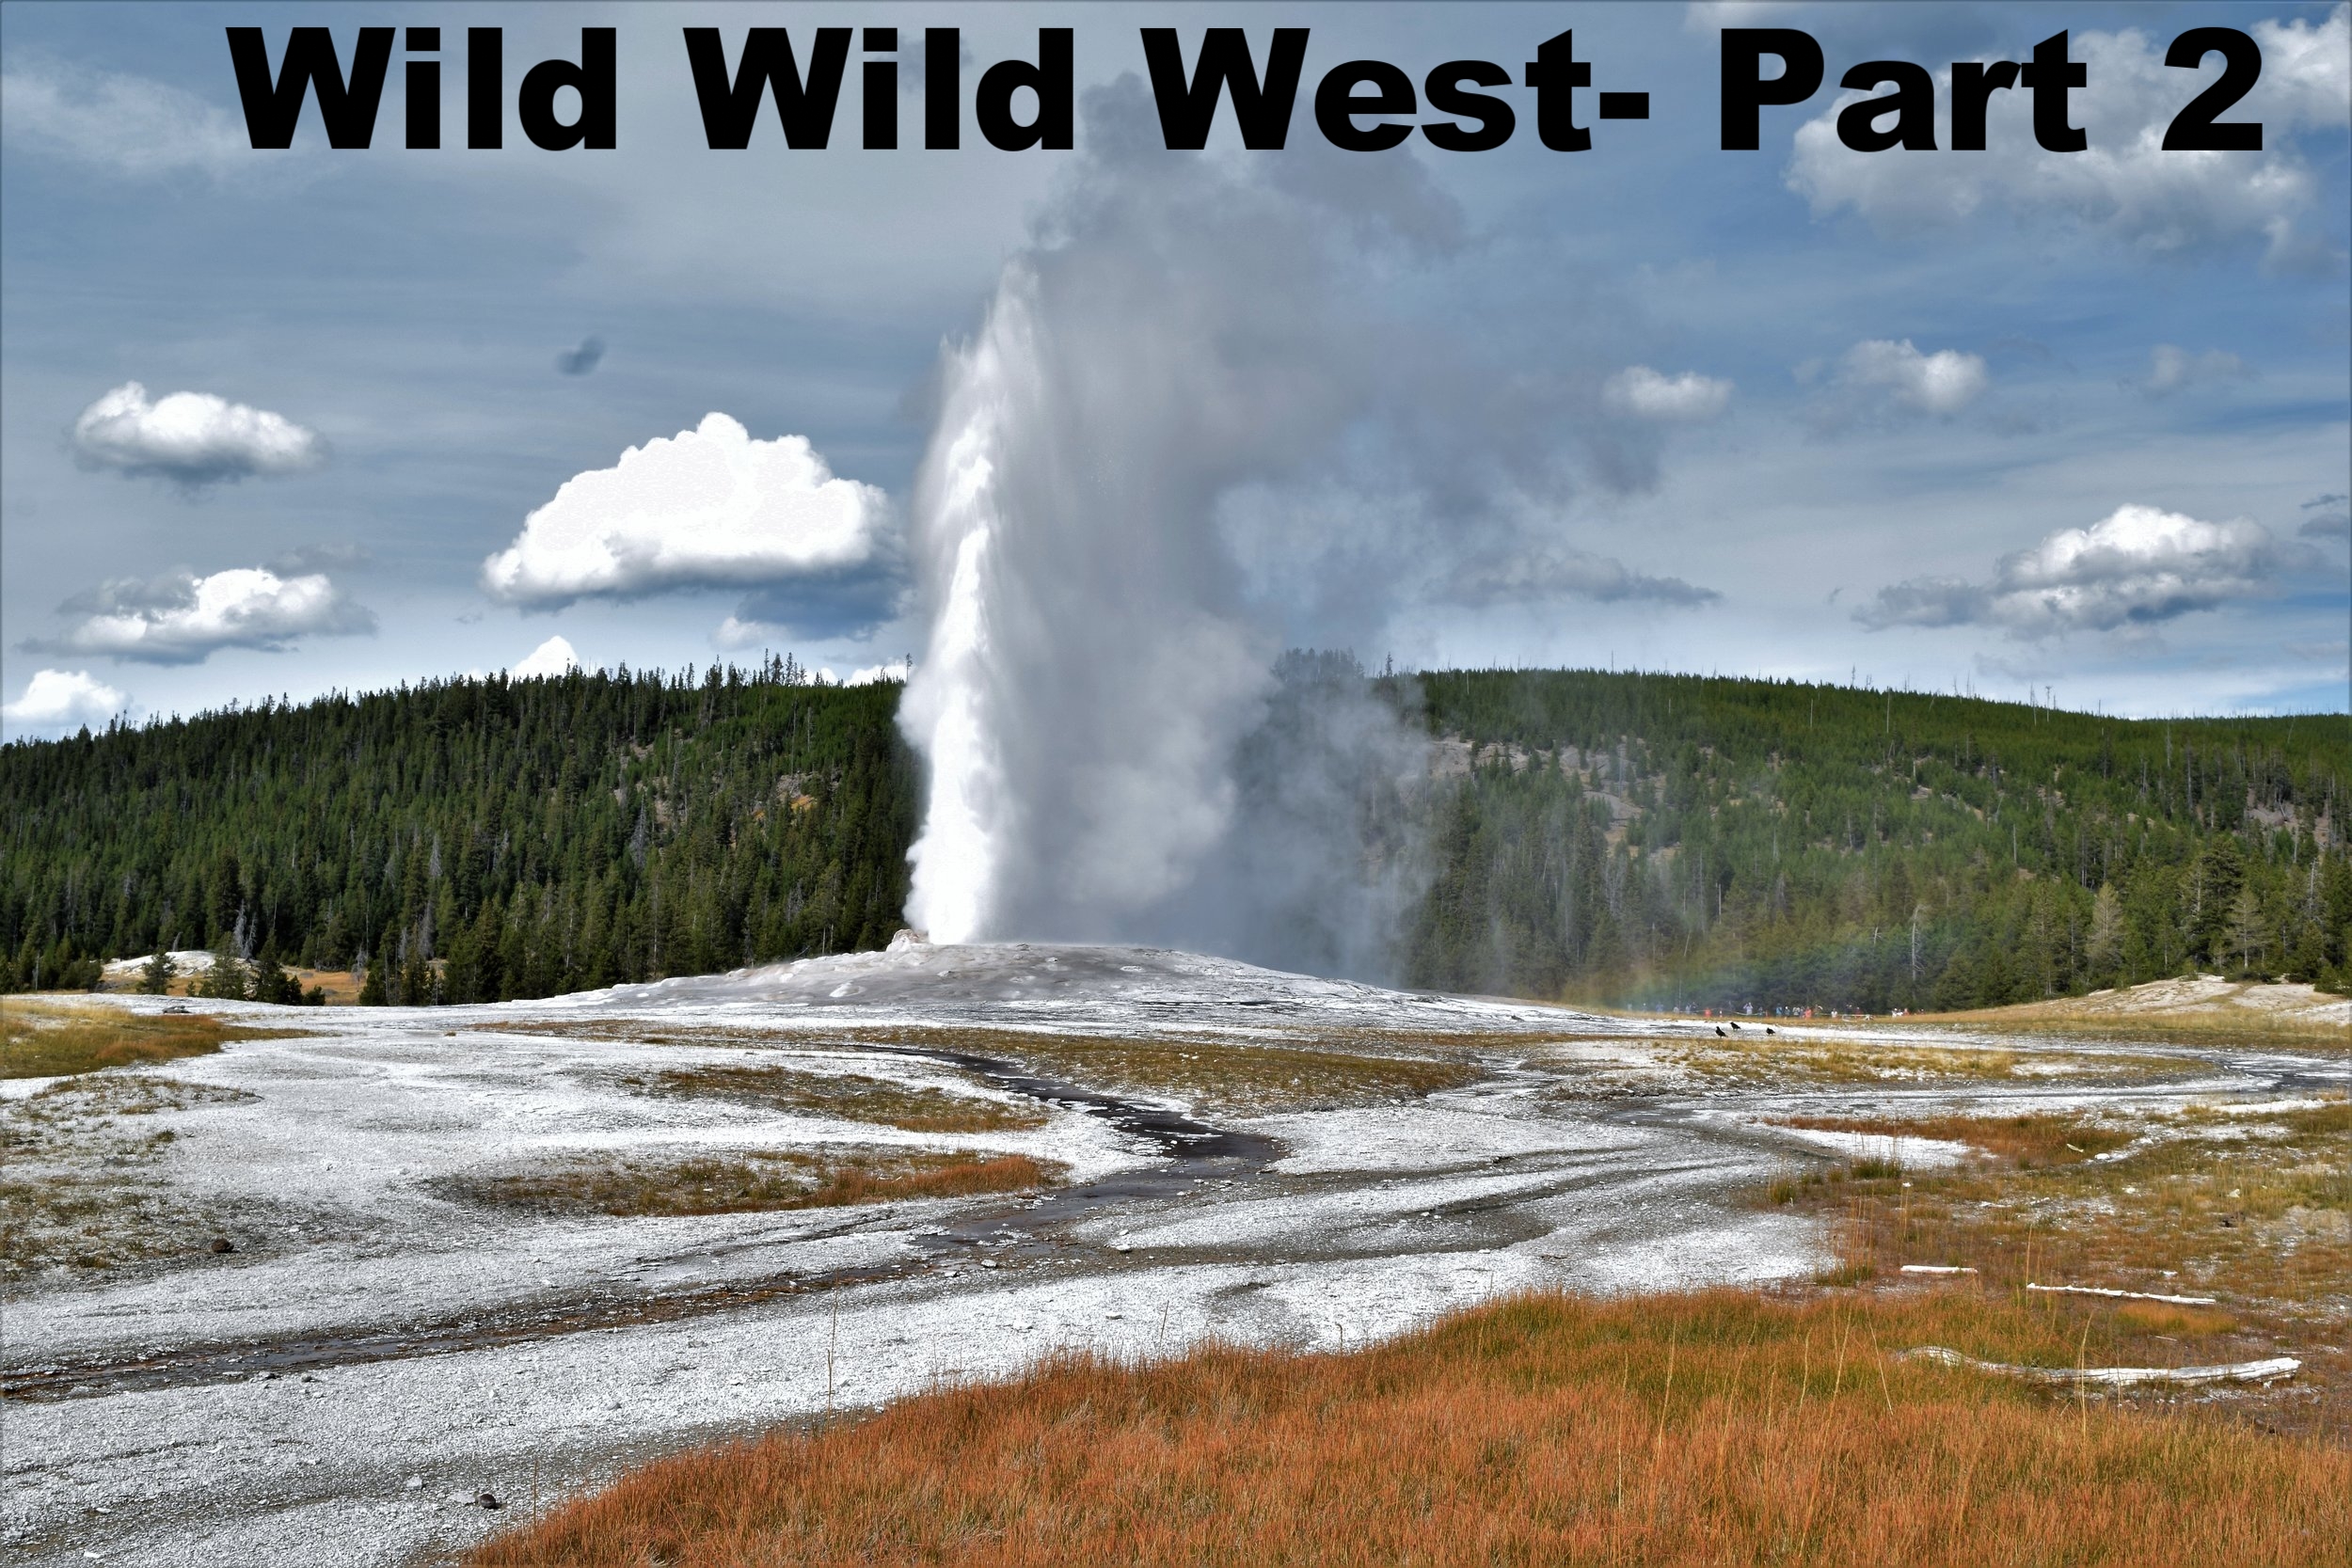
(2103, 948)
(2248, 933)
(155, 975)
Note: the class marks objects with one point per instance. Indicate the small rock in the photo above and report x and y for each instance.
(415, 1483)
(487, 1499)
(222, 1243)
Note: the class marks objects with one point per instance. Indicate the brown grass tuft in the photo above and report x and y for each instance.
(1706, 1429)
(852, 1097)
(759, 1182)
(2030, 1140)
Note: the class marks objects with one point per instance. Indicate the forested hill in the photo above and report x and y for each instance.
(537, 836)
(1666, 839)
(1642, 839)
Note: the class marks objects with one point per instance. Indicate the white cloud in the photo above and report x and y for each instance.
(126, 125)
(194, 437)
(2134, 567)
(553, 657)
(58, 701)
(2125, 185)
(895, 670)
(1942, 383)
(709, 507)
(1647, 394)
(2172, 369)
(182, 619)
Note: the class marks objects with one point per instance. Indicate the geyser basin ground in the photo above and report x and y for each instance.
(1262, 1157)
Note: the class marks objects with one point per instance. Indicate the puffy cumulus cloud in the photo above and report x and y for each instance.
(1558, 572)
(130, 126)
(2331, 518)
(1942, 383)
(2134, 567)
(553, 657)
(895, 669)
(2174, 369)
(711, 507)
(1647, 394)
(56, 702)
(182, 618)
(195, 439)
(2125, 185)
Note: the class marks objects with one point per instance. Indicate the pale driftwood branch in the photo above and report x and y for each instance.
(2119, 1377)
(2118, 1295)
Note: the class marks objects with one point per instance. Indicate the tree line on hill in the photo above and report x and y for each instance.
(1647, 840)
(472, 839)
(1671, 840)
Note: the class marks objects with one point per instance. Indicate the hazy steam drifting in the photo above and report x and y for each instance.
(1114, 535)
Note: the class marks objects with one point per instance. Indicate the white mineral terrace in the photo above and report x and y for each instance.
(378, 1350)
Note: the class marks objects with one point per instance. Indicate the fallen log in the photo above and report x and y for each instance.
(2270, 1370)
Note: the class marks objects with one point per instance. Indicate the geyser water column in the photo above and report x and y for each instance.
(1182, 330)
(1088, 672)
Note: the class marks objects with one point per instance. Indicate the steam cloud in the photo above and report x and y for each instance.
(1177, 371)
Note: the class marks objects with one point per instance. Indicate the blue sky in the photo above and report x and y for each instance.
(1990, 418)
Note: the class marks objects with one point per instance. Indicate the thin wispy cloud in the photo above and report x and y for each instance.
(1647, 394)
(131, 127)
(2127, 188)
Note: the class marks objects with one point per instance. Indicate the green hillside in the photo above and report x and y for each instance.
(538, 836)
(1638, 839)
(1668, 839)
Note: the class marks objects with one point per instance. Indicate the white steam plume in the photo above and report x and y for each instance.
(1094, 667)
(1113, 536)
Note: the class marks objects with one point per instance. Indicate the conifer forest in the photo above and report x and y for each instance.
(1642, 840)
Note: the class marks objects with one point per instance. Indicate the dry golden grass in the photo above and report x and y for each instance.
(1710, 1429)
(47, 1039)
(2030, 1140)
(1752, 1058)
(851, 1097)
(2255, 1211)
(759, 1181)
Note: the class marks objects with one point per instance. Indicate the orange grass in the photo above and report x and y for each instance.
(2029, 1141)
(1697, 1429)
(46, 1039)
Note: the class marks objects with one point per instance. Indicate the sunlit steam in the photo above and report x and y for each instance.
(1112, 754)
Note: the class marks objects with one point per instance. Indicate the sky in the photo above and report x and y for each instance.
(278, 422)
